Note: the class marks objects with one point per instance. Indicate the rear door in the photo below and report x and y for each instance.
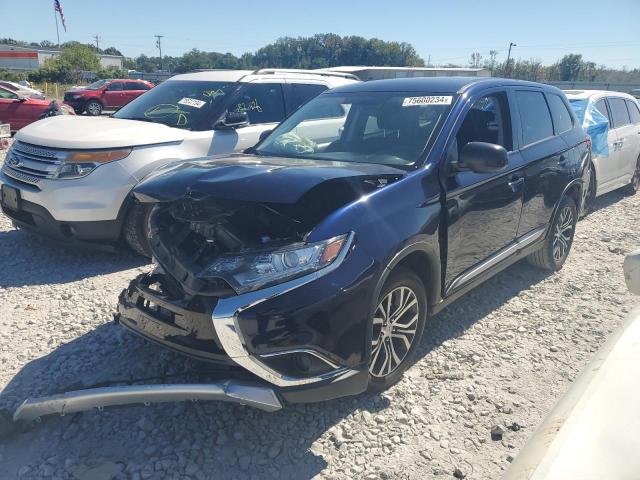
(113, 96)
(132, 90)
(624, 158)
(483, 209)
(546, 155)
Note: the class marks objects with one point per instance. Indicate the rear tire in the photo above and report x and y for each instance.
(634, 185)
(93, 108)
(557, 245)
(136, 229)
(398, 324)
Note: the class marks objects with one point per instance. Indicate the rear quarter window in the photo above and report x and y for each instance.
(562, 120)
(535, 117)
(634, 112)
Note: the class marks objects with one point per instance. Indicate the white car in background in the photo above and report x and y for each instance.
(616, 146)
(71, 177)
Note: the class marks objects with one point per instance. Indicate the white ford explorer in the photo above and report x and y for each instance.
(70, 177)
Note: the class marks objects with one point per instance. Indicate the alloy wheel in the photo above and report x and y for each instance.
(394, 329)
(93, 108)
(563, 234)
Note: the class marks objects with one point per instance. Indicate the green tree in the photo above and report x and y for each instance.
(68, 66)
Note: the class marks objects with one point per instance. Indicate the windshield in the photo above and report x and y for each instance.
(371, 127)
(190, 105)
(97, 85)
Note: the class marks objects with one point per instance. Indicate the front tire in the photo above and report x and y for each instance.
(398, 324)
(136, 229)
(557, 245)
(93, 108)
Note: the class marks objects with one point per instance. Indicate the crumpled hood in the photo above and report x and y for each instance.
(251, 178)
(96, 132)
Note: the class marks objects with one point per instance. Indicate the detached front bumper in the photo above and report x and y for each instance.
(245, 331)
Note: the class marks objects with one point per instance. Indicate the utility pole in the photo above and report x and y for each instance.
(429, 61)
(507, 69)
(97, 41)
(159, 46)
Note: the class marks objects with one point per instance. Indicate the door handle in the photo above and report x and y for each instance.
(563, 158)
(516, 183)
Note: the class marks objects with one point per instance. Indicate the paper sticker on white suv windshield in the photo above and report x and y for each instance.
(192, 102)
(430, 100)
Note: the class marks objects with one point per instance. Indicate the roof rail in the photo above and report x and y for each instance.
(271, 71)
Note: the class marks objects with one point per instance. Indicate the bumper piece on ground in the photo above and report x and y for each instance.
(256, 396)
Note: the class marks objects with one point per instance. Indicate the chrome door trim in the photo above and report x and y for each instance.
(493, 260)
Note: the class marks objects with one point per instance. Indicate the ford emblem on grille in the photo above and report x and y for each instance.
(14, 162)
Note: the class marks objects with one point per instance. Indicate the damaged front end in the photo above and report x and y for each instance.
(239, 283)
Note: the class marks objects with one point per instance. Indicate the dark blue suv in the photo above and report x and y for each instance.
(314, 260)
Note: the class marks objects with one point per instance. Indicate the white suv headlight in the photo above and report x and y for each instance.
(81, 163)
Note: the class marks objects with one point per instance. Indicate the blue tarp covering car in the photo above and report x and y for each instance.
(594, 123)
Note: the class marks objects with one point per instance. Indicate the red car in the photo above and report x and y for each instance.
(18, 110)
(105, 94)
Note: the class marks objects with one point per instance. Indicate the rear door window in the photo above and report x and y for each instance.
(619, 112)
(535, 117)
(562, 120)
(300, 93)
(263, 102)
(133, 86)
(634, 112)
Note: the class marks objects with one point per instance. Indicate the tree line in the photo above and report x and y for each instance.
(316, 51)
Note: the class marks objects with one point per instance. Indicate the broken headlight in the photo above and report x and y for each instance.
(252, 271)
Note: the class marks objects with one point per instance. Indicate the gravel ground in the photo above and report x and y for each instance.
(501, 356)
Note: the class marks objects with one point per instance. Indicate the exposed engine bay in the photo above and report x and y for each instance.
(189, 233)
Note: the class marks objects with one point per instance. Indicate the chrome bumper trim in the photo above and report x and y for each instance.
(225, 323)
(256, 396)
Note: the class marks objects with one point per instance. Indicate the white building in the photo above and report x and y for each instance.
(20, 59)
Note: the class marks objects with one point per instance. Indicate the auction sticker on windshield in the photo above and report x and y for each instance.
(430, 100)
(192, 102)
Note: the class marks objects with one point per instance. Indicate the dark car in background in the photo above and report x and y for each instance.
(105, 94)
(314, 260)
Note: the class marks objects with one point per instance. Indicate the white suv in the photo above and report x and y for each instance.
(71, 177)
(613, 121)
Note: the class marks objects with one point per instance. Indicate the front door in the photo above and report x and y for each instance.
(482, 209)
(113, 96)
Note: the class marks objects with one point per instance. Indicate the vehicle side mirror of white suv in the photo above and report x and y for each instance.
(233, 120)
(631, 269)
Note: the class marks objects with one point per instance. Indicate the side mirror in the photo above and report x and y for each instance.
(481, 157)
(233, 120)
(21, 99)
(264, 135)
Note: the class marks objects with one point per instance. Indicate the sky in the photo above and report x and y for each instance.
(605, 32)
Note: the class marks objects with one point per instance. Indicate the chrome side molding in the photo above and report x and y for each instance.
(261, 397)
(493, 260)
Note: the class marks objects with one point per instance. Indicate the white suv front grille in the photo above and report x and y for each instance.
(30, 163)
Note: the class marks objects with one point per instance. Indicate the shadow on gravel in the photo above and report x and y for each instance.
(455, 319)
(29, 259)
(205, 439)
(607, 200)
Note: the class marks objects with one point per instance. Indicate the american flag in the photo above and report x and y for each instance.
(58, 8)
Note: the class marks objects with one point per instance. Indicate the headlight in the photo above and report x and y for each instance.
(82, 163)
(253, 271)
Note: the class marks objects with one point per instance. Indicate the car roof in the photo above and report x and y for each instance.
(588, 94)
(436, 84)
(332, 78)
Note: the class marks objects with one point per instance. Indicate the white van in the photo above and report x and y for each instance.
(70, 177)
